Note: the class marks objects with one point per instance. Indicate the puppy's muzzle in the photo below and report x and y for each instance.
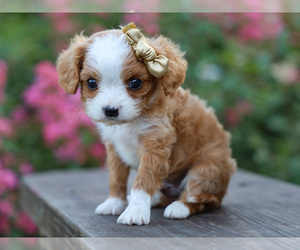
(111, 112)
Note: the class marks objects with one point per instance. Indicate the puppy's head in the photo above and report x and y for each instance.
(116, 87)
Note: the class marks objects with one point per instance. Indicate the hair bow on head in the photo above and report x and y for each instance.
(157, 65)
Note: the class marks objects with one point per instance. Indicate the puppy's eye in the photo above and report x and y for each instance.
(135, 83)
(92, 84)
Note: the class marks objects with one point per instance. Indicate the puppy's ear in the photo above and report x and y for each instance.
(69, 64)
(177, 64)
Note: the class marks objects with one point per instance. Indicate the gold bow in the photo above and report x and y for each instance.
(157, 65)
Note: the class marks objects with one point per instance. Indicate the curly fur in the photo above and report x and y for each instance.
(183, 139)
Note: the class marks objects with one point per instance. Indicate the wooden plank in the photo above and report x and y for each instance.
(62, 203)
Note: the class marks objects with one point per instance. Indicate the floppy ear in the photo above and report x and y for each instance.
(177, 64)
(69, 64)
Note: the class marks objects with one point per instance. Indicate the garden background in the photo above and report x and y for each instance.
(245, 65)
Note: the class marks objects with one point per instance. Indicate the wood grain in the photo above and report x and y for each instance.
(62, 203)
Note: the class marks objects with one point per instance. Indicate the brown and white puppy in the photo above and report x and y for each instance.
(179, 149)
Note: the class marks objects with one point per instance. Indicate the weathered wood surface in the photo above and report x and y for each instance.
(62, 203)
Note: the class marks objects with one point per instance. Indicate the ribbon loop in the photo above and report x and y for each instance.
(157, 65)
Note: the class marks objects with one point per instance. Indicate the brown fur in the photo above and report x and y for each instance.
(119, 173)
(177, 65)
(187, 138)
(70, 62)
(87, 73)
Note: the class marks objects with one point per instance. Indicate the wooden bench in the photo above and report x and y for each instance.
(62, 203)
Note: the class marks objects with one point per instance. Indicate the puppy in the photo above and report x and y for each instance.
(130, 88)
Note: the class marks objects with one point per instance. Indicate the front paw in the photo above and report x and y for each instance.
(135, 215)
(111, 206)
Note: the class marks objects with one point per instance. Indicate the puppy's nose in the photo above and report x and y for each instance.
(111, 111)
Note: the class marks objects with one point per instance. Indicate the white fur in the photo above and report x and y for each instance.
(191, 199)
(155, 199)
(107, 55)
(139, 209)
(176, 210)
(112, 206)
(124, 137)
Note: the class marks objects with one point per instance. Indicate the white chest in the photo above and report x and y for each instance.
(125, 140)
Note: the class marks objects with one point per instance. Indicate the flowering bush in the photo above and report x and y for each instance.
(55, 110)
(245, 65)
(9, 177)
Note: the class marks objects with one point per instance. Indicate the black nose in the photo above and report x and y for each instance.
(111, 111)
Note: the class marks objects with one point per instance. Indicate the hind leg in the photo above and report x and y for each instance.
(182, 208)
(205, 190)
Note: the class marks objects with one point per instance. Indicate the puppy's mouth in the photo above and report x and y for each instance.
(110, 121)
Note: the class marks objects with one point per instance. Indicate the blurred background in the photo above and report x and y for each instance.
(246, 65)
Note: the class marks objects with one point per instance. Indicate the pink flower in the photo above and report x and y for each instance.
(54, 131)
(19, 115)
(4, 225)
(69, 150)
(244, 107)
(61, 22)
(6, 208)
(261, 26)
(46, 69)
(5, 127)
(8, 180)
(253, 16)
(8, 159)
(97, 150)
(26, 168)
(232, 117)
(252, 32)
(61, 115)
(24, 223)
(3, 79)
